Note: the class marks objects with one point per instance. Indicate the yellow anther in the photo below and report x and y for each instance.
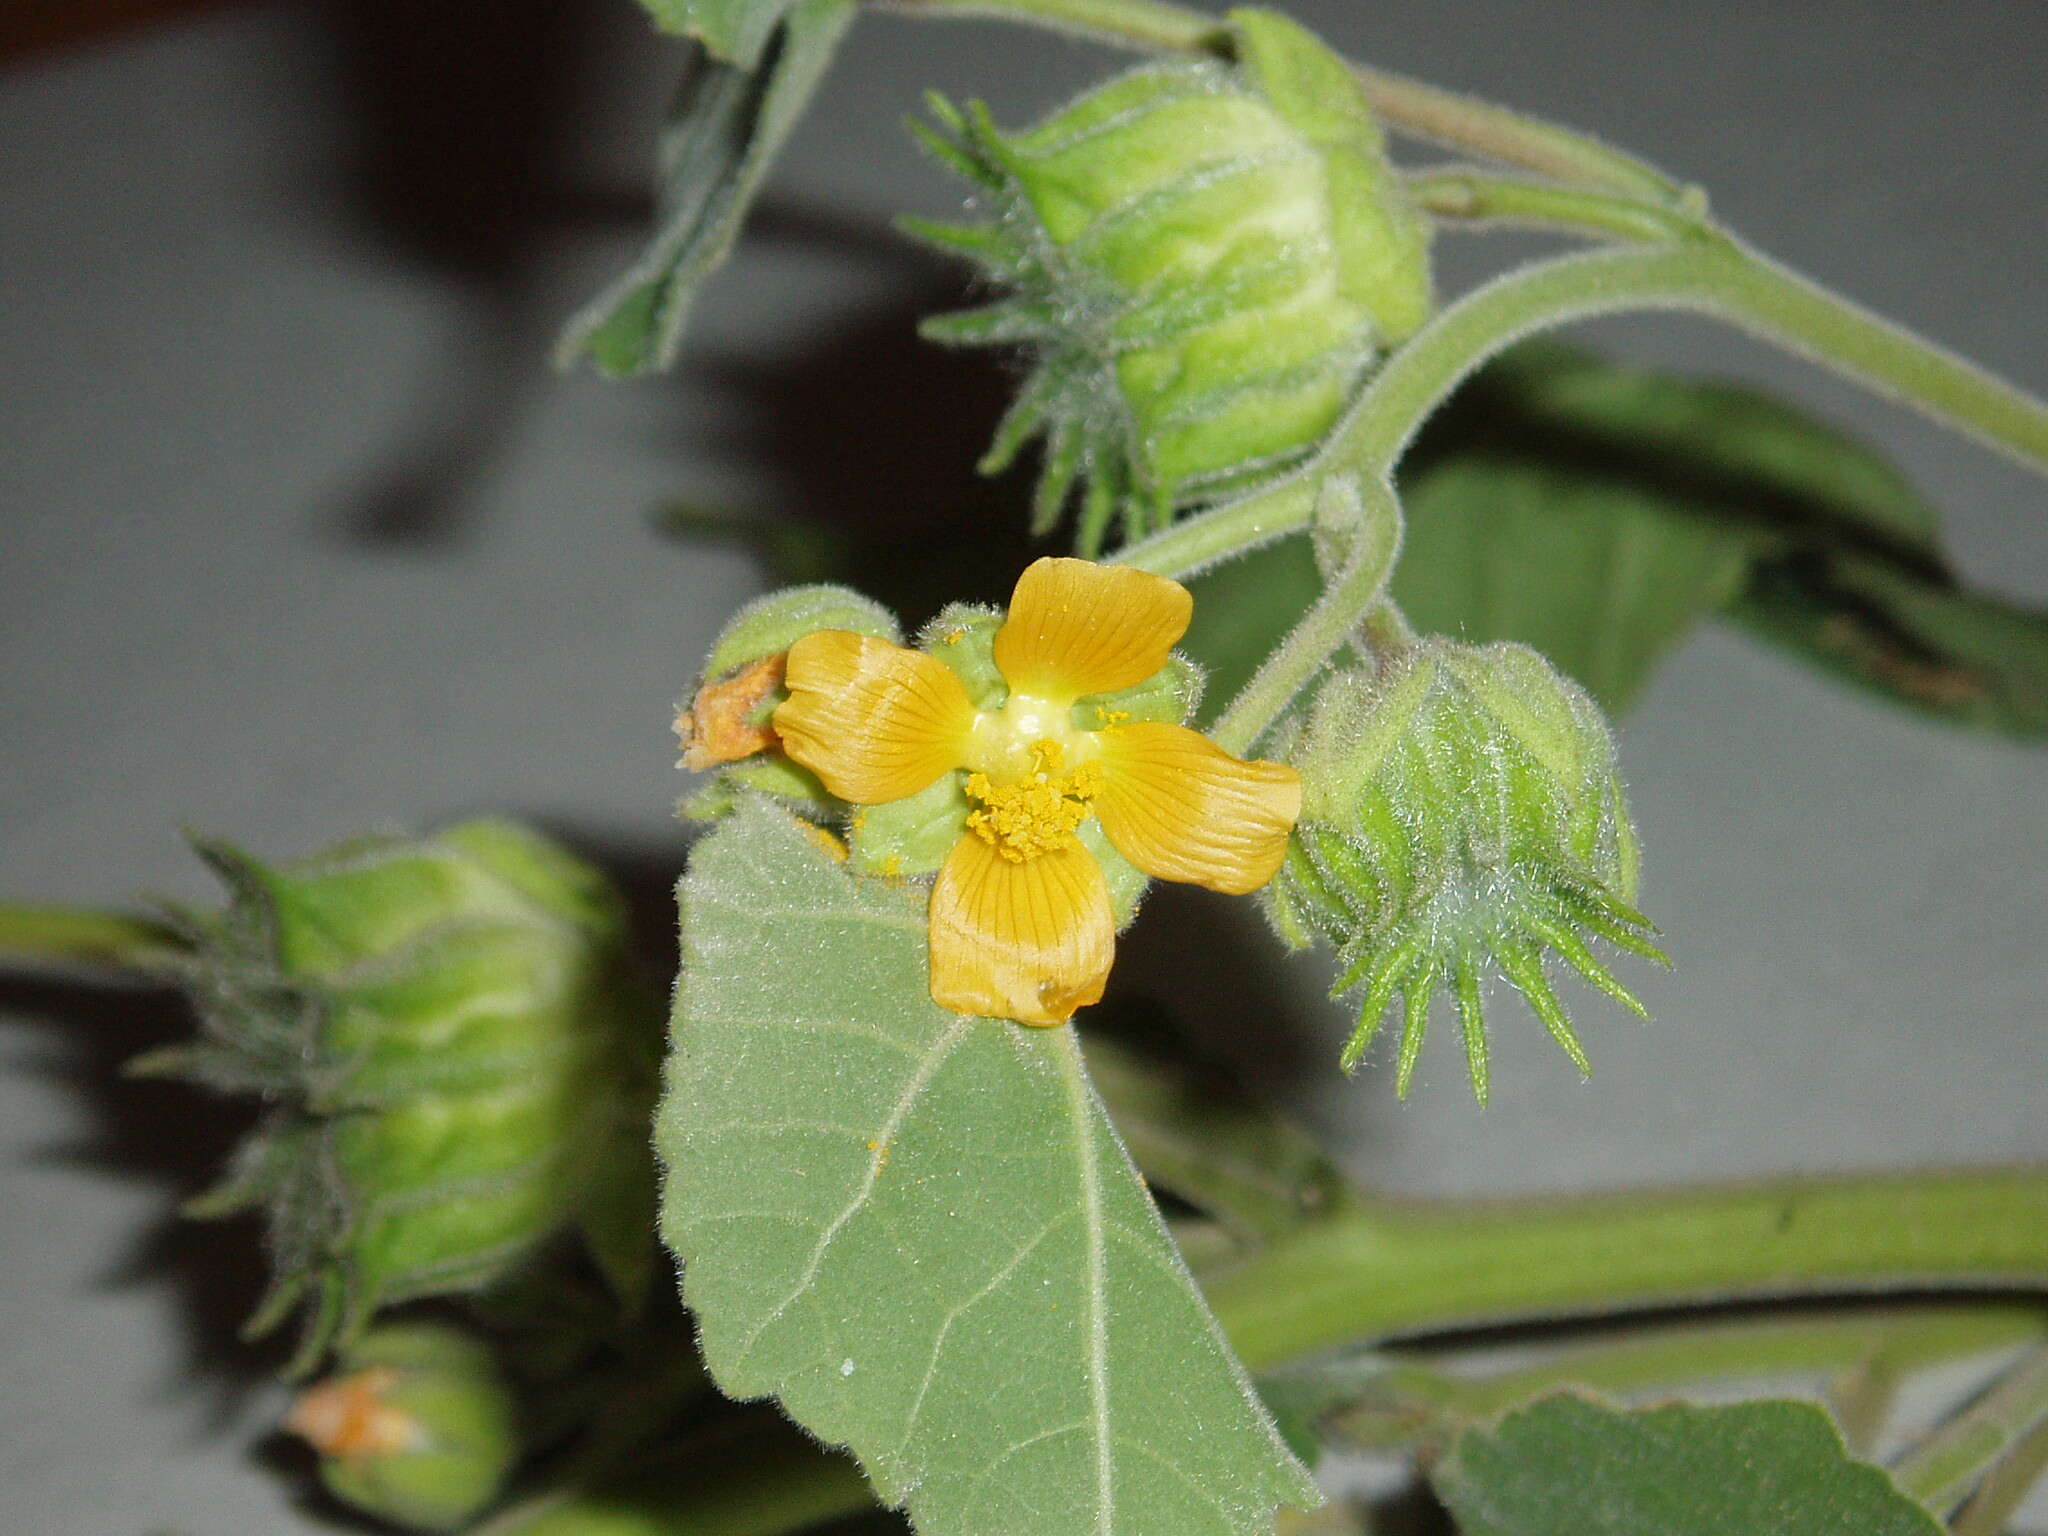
(1039, 813)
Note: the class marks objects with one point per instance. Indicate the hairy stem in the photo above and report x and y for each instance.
(1426, 111)
(1146, 24)
(1708, 273)
(1383, 1269)
(1397, 1400)
(1943, 1467)
(1236, 528)
(66, 937)
(1711, 274)
(1331, 624)
(1457, 193)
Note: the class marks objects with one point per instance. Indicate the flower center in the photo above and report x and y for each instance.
(1039, 812)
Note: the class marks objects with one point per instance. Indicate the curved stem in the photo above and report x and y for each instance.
(1426, 111)
(1223, 533)
(1383, 1269)
(1332, 623)
(1942, 1468)
(1709, 273)
(61, 936)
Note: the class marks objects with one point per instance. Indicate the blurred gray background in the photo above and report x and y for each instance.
(301, 536)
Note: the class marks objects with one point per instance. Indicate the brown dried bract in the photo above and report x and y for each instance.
(718, 727)
(349, 1418)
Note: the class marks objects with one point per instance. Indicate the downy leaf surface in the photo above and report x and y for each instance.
(920, 1231)
(1572, 1466)
(728, 123)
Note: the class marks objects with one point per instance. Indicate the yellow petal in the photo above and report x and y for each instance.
(1181, 808)
(1077, 628)
(1029, 941)
(876, 722)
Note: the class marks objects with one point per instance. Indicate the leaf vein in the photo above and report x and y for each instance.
(967, 1305)
(884, 1136)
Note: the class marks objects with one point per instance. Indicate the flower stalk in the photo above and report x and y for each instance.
(1381, 1268)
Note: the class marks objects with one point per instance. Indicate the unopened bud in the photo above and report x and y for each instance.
(1461, 814)
(458, 1055)
(1204, 259)
(417, 1426)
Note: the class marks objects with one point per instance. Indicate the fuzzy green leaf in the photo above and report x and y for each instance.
(1596, 512)
(1600, 576)
(737, 31)
(1967, 657)
(734, 110)
(1722, 450)
(920, 1231)
(1572, 1466)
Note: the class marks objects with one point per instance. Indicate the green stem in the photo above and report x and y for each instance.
(1709, 273)
(1426, 111)
(67, 937)
(1400, 1400)
(1943, 1467)
(2005, 1487)
(1146, 24)
(1383, 1269)
(1473, 196)
(1235, 528)
(1332, 623)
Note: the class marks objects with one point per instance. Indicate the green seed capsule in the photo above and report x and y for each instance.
(459, 1058)
(1461, 813)
(416, 1426)
(1204, 261)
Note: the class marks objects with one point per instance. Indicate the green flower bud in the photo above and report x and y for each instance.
(459, 1058)
(416, 1426)
(1461, 812)
(1204, 261)
(771, 624)
(726, 725)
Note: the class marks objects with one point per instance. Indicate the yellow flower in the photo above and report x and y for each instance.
(1021, 920)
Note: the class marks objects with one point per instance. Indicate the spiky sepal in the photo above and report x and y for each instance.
(1201, 261)
(458, 1059)
(1462, 816)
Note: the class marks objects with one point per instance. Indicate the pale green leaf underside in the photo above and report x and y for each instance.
(1604, 579)
(735, 30)
(1572, 1466)
(730, 119)
(921, 1233)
